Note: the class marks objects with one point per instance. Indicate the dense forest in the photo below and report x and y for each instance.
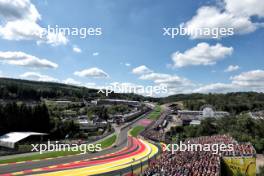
(23, 90)
(21, 117)
(16, 89)
(232, 102)
(21, 108)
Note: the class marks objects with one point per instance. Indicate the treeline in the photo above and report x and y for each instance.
(243, 128)
(19, 117)
(16, 89)
(104, 111)
(33, 90)
(232, 102)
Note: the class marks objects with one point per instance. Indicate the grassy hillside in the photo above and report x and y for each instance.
(16, 89)
(35, 90)
(232, 102)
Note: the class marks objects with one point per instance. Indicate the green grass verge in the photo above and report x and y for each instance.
(154, 115)
(104, 144)
(39, 156)
(108, 141)
(136, 130)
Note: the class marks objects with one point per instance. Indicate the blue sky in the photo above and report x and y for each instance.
(132, 49)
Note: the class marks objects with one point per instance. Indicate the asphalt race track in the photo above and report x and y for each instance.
(130, 153)
(136, 152)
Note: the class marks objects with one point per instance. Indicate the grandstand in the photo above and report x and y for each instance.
(10, 140)
(205, 111)
(257, 114)
(203, 163)
(156, 132)
(18, 142)
(202, 114)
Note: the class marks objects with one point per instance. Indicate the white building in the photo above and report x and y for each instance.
(9, 140)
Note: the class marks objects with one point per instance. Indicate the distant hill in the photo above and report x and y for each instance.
(17, 89)
(235, 102)
(24, 90)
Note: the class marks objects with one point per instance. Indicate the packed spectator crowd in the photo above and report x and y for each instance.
(197, 163)
(185, 164)
(154, 135)
(257, 114)
(156, 132)
(245, 149)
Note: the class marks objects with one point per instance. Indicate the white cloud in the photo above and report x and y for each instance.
(38, 77)
(76, 49)
(201, 54)
(71, 81)
(95, 54)
(245, 7)
(247, 81)
(19, 22)
(232, 68)
(174, 79)
(21, 30)
(54, 39)
(173, 83)
(22, 59)
(141, 70)
(234, 14)
(123, 87)
(18, 9)
(92, 72)
(127, 64)
(154, 76)
(212, 17)
(252, 79)
(215, 87)
(91, 85)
